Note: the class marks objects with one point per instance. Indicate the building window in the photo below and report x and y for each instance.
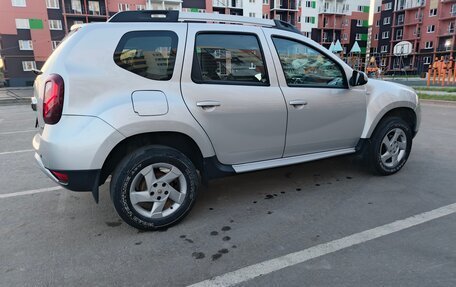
(453, 10)
(383, 62)
(387, 21)
(451, 27)
(306, 34)
(374, 50)
(376, 36)
(360, 8)
(384, 49)
(52, 4)
(377, 23)
(429, 45)
(308, 19)
(265, 16)
(55, 44)
(76, 6)
(251, 1)
(28, 66)
(400, 19)
(399, 34)
(94, 7)
(385, 35)
(55, 25)
(345, 36)
(123, 7)
(140, 7)
(358, 37)
(266, 2)
(299, 19)
(432, 12)
(25, 45)
(251, 14)
(431, 28)
(389, 6)
(359, 23)
(78, 22)
(379, 8)
(18, 3)
(22, 24)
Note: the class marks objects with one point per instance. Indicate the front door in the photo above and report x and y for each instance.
(324, 114)
(231, 88)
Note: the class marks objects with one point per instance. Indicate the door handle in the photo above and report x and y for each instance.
(208, 104)
(298, 103)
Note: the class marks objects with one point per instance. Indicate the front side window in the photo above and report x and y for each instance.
(305, 66)
(229, 58)
(149, 54)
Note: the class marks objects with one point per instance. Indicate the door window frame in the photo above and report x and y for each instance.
(196, 74)
(339, 65)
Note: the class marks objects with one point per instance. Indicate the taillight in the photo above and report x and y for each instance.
(62, 177)
(53, 99)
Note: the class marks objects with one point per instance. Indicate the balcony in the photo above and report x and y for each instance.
(410, 4)
(81, 11)
(332, 10)
(235, 4)
(285, 5)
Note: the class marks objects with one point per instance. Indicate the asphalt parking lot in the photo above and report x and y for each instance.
(325, 223)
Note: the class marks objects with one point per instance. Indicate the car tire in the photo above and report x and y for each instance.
(154, 187)
(390, 146)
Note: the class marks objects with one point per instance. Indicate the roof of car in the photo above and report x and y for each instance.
(176, 16)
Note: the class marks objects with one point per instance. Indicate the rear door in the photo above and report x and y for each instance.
(230, 86)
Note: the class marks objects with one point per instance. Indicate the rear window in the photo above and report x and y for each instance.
(149, 54)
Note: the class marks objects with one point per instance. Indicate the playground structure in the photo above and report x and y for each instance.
(442, 72)
(372, 69)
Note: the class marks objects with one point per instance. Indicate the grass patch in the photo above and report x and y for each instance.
(437, 97)
(439, 89)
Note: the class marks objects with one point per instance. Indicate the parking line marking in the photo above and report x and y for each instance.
(272, 265)
(16, 151)
(33, 191)
(17, 132)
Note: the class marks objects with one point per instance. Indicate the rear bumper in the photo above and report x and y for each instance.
(78, 180)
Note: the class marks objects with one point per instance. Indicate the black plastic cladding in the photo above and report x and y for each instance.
(173, 16)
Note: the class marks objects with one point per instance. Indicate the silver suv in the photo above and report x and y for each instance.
(162, 100)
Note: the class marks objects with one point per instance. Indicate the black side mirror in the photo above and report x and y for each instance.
(358, 78)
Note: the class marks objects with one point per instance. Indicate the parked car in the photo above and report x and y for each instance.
(164, 103)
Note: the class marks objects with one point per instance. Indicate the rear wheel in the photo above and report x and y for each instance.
(154, 187)
(390, 146)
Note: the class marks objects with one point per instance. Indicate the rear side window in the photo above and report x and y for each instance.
(229, 59)
(149, 54)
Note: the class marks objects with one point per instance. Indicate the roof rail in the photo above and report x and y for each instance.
(176, 16)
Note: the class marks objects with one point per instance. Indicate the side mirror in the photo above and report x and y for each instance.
(358, 78)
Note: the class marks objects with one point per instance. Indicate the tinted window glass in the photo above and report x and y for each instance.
(150, 54)
(225, 58)
(304, 66)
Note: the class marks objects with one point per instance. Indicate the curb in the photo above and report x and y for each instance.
(10, 102)
(452, 103)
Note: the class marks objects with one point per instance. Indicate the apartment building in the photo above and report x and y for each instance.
(428, 24)
(343, 20)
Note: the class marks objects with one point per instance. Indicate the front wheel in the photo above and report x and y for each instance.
(154, 187)
(390, 146)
